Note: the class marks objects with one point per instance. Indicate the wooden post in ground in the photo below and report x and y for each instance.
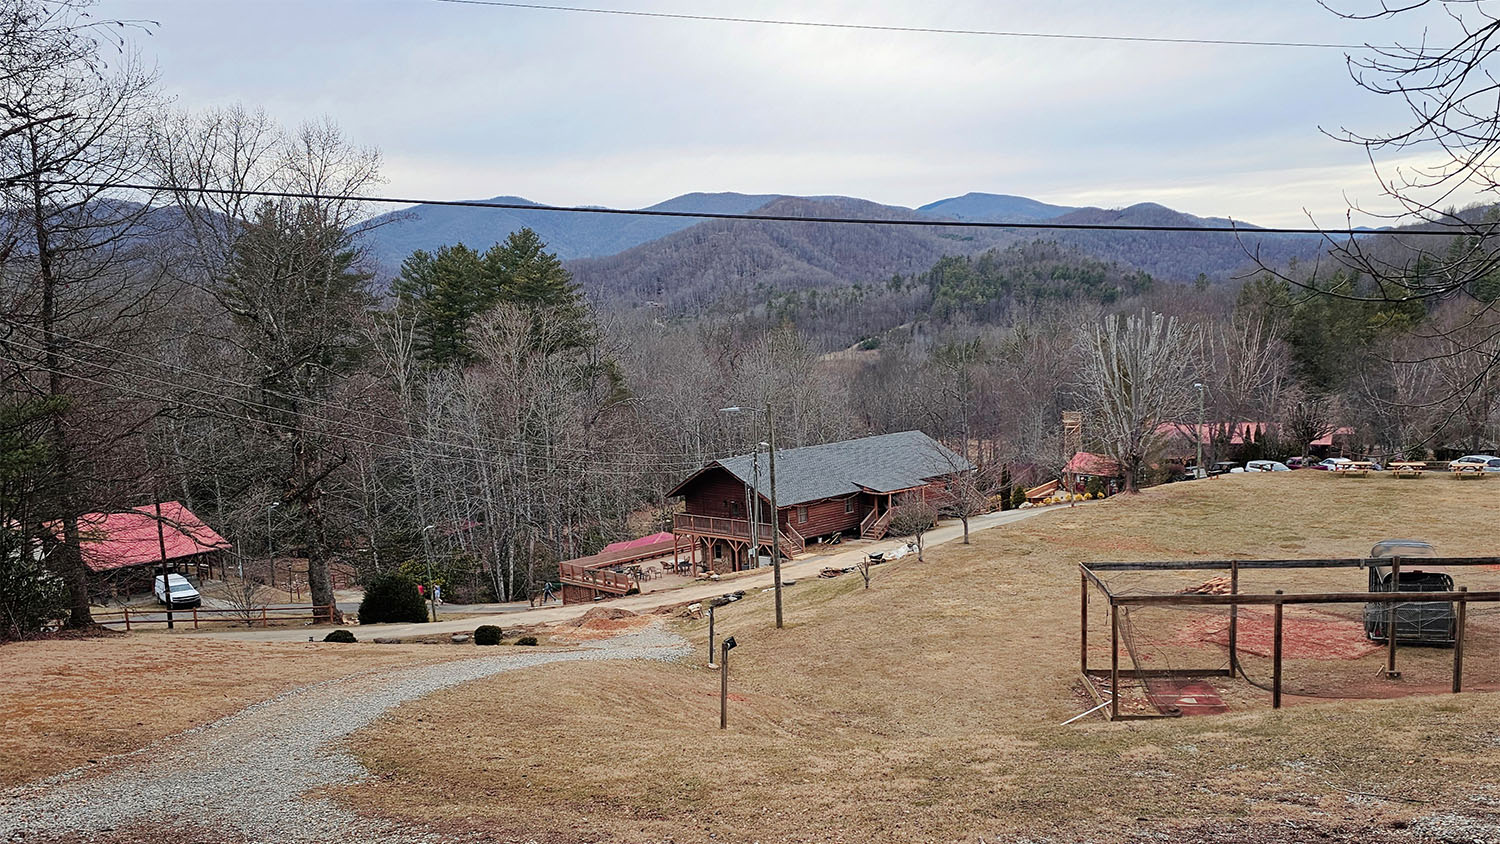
(1234, 616)
(1083, 623)
(1458, 642)
(1390, 622)
(724, 688)
(1114, 661)
(127, 619)
(1276, 657)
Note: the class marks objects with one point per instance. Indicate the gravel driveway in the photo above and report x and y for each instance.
(244, 776)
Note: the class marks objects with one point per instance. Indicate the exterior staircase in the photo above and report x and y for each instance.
(875, 525)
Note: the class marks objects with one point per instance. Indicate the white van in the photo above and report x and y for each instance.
(183, 593)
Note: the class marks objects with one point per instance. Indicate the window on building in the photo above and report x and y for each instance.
(848, 505)
(801, 515)
(734, 509)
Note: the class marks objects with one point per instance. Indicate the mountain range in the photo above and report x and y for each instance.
(682, 261)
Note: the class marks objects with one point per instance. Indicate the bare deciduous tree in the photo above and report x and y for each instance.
(1136, 374)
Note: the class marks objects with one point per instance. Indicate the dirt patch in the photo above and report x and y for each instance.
(1305, 634)
(602, 623)
(1188, 697)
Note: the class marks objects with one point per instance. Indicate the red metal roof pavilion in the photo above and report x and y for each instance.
(113, 541)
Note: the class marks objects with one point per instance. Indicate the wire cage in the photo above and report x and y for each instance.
(1173, 638)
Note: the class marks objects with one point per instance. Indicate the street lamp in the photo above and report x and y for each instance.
(775, 513)
(427, 551)
(270, 545)
(1198, 385)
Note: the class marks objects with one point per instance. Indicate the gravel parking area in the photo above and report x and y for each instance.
(247, 776)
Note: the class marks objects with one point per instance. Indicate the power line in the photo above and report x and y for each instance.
(1233, 228)
(929, 30)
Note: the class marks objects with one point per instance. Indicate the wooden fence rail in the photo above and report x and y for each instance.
(132, 618)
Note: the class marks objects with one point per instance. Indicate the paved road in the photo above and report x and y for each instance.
(759, 579)
(247, 777)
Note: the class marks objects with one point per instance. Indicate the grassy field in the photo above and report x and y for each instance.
(928, 708)
(66, 702)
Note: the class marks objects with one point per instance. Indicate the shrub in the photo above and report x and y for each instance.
(487, 634)
(636, 590)
(342, 636)
(530, 641)
(392, 598)
(1017, 497)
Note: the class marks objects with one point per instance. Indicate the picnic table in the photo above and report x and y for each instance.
(1408, 468)
(1469, 471)
(1354, 468)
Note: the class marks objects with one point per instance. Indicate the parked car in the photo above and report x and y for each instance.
(1427, 622)
(1325, 465)
(1223, 467)
(1263, 466)
(183, 594)
(1299, 462)
(1482, 462)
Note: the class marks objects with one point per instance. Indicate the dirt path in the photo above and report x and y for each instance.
(760, 579)
(246, 777)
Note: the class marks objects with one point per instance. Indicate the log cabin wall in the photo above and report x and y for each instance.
(717, 493)
(831, 515)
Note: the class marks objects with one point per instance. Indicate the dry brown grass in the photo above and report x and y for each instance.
(928, 707)
(66, 702)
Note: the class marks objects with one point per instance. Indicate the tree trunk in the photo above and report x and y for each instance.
(70, 555)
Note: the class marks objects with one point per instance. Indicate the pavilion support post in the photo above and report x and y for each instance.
(1390, 622)
(1276, 656)
(1458, 642)
(1083, 623)
(1234, 616)
(1114, 661)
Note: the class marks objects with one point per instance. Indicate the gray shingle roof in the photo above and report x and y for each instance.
(883, 463)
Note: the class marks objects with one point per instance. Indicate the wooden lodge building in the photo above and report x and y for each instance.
(848, 487)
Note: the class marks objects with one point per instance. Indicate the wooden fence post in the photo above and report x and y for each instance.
(1458, 642)
(127, 619)
(1390, 622)
(1083, 623)
(264, 622)
(1276, 657)
(1114, 661)
(1234, 616)
(195, 618)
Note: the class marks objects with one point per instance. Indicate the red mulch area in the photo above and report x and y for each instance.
(1305, 634)
(1189, 697)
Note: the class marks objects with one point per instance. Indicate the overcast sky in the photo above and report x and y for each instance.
(569, 108)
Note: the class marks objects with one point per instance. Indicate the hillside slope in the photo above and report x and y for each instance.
(929, 707)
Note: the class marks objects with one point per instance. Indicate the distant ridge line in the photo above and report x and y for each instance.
(772, 218)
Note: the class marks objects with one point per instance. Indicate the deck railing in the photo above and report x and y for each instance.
(791, 541)
(603, 579)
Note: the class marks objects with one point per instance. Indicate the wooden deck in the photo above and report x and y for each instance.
(735, 529)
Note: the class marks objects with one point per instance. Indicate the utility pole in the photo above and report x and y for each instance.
(1198, 385)
(775, 516)
(427, 552)
(161, 544)
(270, 543)
(755, 502)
